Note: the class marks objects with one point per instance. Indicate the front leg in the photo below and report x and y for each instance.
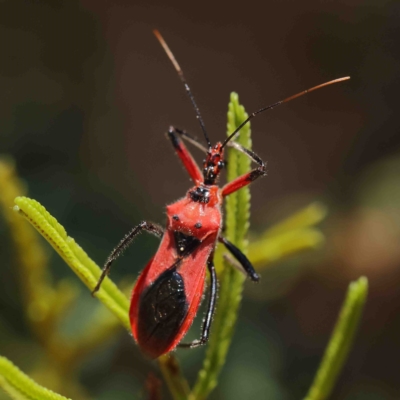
(245, 179)
(124, 244)
(183, 153)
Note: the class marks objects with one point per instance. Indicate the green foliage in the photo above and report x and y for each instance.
(20, 387)
(74, 256)
(237, 213)
(341, 340)
(296, 233)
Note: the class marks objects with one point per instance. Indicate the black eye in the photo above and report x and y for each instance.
(175, 217)
(197, 225)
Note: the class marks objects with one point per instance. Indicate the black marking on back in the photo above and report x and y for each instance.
(162, 310)
(185, 244)
(200, 195)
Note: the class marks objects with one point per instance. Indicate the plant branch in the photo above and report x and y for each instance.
(20, 387)
(237, 213)
(341, 340)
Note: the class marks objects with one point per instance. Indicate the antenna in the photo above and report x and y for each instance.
(181, 76)
(295, 96)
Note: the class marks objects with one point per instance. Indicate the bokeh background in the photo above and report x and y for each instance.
(86, 95)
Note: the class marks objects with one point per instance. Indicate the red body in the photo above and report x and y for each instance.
(167, 295)
(196, 219)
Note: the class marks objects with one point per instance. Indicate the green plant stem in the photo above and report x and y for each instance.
(20, 387)
(231, 281)
(340, 342)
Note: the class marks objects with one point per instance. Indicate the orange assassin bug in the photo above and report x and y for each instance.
(168, 292)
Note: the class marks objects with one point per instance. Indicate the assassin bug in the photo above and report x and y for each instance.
(167, 294)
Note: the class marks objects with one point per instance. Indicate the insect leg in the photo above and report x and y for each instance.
(191, 139)
(205, 333)
(251, 176)
(243, 260)
(183, 153)
(124, 244)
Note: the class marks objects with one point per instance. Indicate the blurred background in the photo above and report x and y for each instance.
(87, 95)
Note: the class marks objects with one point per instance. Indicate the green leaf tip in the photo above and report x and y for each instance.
(341, 340)
(234, 97)
(20, 387)
(238, 203)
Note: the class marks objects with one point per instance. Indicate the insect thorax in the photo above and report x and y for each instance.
(200, 194)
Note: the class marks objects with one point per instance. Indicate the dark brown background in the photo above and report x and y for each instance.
(86, 97)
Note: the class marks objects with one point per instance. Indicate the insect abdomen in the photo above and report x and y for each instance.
(162, 309)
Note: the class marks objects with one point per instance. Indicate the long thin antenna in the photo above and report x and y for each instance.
(181, 76)
(295, 96)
